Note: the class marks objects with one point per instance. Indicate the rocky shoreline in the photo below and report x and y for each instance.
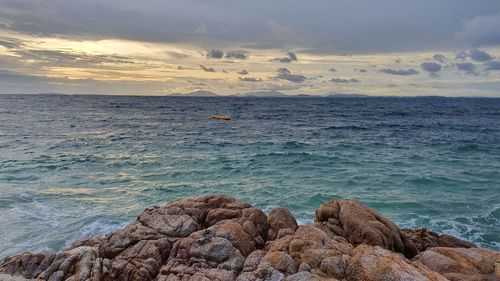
(221, 238)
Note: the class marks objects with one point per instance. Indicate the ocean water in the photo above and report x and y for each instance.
(76, 166)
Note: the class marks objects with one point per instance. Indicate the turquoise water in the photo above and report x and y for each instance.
(75, 166)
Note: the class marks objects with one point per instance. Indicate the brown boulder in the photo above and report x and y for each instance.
(221, 238)
(26, 264)
(362, 225)
(304, 275)
(462, 264)
(423, 239)
(280, 261)
(278, 219)
(372, 263)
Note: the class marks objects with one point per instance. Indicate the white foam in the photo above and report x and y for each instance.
(98, 227)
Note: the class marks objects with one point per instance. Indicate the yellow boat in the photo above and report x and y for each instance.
(221, 117)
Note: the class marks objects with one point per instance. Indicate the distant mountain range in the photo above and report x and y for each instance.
(263, 94)
(197, 94)
(274, 94)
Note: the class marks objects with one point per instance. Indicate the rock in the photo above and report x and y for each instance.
(170, 225)
(461, 263)
(302, 276)
(262, 274)
(141, 261)
(26, 264)
(423, 239)
(8, 277)
(253, 260)
(235, 233)
(284, 232)
(278, 219)
(221, 214)
(280, 261)
(220, 238)
(375, 263)
(362, 225)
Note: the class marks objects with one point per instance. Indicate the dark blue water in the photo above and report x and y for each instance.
(75, 166)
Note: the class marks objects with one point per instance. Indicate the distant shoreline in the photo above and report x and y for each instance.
(264, 97)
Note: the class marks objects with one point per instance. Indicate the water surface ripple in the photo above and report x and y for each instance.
(75, 166)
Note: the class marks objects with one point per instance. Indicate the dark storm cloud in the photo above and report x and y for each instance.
(290, 57)
(250, 79)
(431, 67)
(61, 58)
(21, 79)
(207, 69)
(332, 70)
(462, 55)
(236, 54)
(439, 58)
(285, 74)
(10, 43)
(478, 55)
(177, 55)
(321, 26)
(493, 65)
(465, 66)
(6, 75)
(344, 80)
(243, 72)
(402, 72)
(215, 54)
(231, 54)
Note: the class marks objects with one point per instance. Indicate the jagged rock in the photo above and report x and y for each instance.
(27, 265)
(8, 277)
(423, 239)
(221, 238)
(461, 263)
(371, 263)
(279, 219)
(362, 225)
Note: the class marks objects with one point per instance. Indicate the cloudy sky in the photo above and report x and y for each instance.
(159, 47)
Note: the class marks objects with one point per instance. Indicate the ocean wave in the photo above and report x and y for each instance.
(482, 230)
(346, 128)
(97, 227)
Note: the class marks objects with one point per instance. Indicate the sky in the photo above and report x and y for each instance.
(161, 47)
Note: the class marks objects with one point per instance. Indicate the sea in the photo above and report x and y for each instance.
(73, 166)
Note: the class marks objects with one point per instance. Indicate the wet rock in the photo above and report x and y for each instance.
(26, 264)
(423, 239)
(362, 225)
